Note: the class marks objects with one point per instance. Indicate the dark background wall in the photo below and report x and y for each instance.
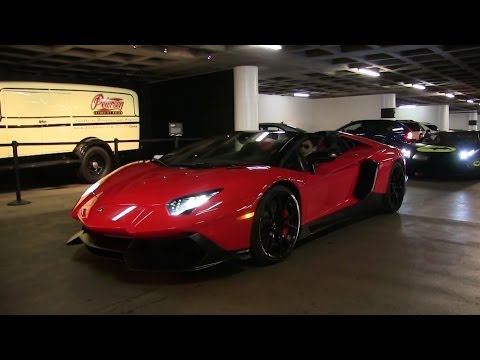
(204, 104)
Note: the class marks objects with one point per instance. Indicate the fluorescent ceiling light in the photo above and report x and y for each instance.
(419, 86)
(470, 101)
(450, 95)
(301, 94)
(271, 47)
(408, 106)
(368, 72)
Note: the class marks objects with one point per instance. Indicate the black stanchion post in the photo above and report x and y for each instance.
(175, 142)
(16, 168)
(117, 155)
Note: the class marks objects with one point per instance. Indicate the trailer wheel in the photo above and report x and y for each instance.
(96, 163)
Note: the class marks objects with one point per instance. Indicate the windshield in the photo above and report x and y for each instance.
(432, 127)
(456, 139)
(239, 148)
(412, 125)
(279, 127)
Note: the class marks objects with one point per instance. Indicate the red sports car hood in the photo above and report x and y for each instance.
(128, 197)
(150, 184)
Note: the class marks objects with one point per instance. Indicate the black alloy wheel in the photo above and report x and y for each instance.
(276, 226)
(393, 199)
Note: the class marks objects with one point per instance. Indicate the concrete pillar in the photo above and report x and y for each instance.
(472, 120)
(246, 97)
(389, 104)
(443, 117)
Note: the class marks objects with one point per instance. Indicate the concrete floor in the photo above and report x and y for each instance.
(424, 260)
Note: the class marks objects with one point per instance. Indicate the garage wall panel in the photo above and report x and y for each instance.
(459, 121)
(435, 114)
(318, 114)
(332, 113)
(289, 110)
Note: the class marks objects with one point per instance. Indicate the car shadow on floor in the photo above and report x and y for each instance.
(118, 268)
(322, 234)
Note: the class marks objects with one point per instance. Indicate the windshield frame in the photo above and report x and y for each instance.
(205, 153)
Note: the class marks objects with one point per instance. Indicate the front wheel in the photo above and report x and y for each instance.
(96, 163)
(276, 226)
(393, 198)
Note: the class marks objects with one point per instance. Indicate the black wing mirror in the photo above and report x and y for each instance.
(321, 157)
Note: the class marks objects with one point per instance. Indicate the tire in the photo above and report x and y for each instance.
(393, 198)
(275, 229)
(96, 163)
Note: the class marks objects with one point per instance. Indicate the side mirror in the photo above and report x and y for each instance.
(321, 157)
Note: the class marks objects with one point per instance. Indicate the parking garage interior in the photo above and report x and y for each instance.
(420, 260)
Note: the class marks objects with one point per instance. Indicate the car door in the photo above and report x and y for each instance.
(341, 175)
(330, 186)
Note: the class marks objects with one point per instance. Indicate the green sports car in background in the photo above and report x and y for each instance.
(445, 153)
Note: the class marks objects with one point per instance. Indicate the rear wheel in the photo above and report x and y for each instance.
(276, 226)
(393, 198)
(96, 163)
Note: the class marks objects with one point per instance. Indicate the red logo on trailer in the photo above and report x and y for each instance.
(107, 106)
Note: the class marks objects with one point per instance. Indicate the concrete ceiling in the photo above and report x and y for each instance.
(321, 70)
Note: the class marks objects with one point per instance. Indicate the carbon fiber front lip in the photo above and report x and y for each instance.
(189, 253)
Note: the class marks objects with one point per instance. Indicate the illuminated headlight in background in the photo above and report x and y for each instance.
(187, 204)
(406, 153)
(465, 154)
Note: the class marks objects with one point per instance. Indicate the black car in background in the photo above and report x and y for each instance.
(429, 127)
(397, 133)
(445, 153)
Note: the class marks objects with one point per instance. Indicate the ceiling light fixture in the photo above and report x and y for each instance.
(209, 57)
(301, 94)
(419, 86)
(271, 47)
(368, 72)
(407, 106)
(450, 95)
(470, 101)
(165, 50)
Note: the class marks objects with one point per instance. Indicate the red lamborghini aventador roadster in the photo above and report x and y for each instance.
(247, 194)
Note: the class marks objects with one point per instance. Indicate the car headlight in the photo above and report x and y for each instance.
(406, 153)
(186, 204)
(465, 154)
